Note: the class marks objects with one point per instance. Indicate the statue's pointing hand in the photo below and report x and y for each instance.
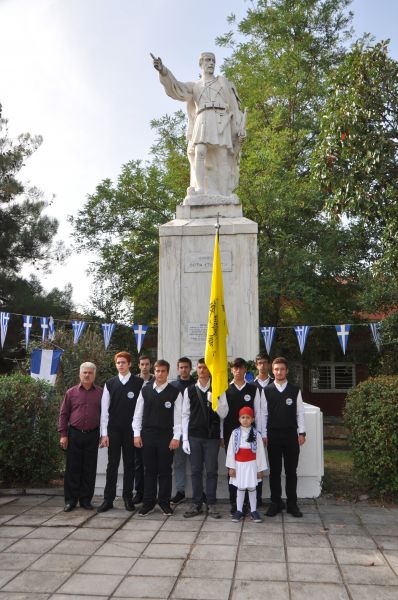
(157, 63)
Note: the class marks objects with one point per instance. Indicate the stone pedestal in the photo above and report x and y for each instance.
(185, 266)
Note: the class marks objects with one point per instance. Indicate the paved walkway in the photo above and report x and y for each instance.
(338, 551)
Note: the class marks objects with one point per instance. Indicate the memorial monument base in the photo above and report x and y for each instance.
(186, 260)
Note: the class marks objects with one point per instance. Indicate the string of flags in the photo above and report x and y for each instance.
(139, 331)
(302, 332)
(47, 325)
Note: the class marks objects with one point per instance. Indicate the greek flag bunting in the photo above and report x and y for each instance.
(343, 332)
(51, 329)
(268, 335)
(78, 328)
(44, 364)
(302, 333)
(139, 332)
(4, 318)
(44, 327)
(375, 329)
(107, 330)
(27, 323)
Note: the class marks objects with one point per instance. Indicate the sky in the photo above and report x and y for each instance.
(79, 73)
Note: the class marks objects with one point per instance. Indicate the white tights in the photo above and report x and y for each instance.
(240, 497)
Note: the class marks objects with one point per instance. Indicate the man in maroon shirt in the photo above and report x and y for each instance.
(79, 421)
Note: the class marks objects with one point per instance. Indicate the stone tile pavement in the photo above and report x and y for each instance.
(338, 551)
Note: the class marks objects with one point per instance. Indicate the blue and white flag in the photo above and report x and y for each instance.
(268, 335)
(44, 327)
(44, 364)
(107, 330)
(27, 323)
(139, 332)
(343, 332)
(51, 329)
(376, 329)
(4, 318)
(302, 333)
(78, 328)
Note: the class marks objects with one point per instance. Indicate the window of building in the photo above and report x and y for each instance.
(332, 377)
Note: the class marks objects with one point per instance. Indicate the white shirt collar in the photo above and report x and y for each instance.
(160, 388)
(240, 388)
(280, 386)
(203, 389)
(263, 382)
(125, 378)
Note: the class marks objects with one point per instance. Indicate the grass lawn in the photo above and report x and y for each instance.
(339, 478)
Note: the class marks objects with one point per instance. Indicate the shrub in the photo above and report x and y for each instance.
(371, 413)
(90, 348)
(29, 443)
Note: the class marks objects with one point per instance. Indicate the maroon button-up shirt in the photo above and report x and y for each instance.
(80, 408)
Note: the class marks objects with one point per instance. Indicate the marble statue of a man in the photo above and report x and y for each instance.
(216, 129)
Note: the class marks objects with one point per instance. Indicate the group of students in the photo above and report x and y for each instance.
(151, 421)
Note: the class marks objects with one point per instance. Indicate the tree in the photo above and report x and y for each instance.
(311, 266)
(282, 54)
(356, 156)
(26, 238)
(26, 235)
(120, 222)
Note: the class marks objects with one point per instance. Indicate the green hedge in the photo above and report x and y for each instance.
(371, 413)
(29, 442)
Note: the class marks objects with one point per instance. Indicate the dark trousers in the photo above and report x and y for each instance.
(158, 460)
(81, 465)
(139, 472)
(283, 444)
(204, 452)
(121, 442)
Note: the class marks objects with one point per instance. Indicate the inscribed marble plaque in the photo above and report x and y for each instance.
(198, 262)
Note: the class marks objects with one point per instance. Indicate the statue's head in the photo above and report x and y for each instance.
(207, 62)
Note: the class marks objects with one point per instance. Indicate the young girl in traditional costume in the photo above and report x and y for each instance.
(246, 463)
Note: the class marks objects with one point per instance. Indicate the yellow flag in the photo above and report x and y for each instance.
(217, 330)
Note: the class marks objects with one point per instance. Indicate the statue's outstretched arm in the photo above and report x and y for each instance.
(158, 64)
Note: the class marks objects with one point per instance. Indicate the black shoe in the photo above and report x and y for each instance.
(69, 506)
(273, 509)
(129, 505)
(166, 509)
(237, 516)
(194, 510)
(105, 506)
(86, 505)
(138, 498)
(233, 508)
(294, 510)
(178, 498)
(213, 512)
(146, 509)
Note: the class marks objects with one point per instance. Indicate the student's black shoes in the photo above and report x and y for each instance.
(294, 510)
